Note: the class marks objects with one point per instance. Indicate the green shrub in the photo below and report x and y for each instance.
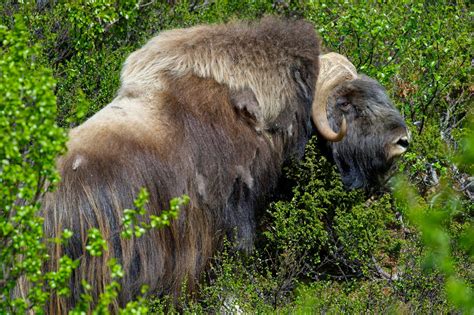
(327, 227)
(446, 226)
(30, 140)
(320, 248)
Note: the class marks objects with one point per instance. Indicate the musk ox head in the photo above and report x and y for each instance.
(372, 133)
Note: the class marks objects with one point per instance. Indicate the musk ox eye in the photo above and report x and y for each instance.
(344, 105)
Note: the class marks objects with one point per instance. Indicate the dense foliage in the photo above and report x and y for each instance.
(320, 248)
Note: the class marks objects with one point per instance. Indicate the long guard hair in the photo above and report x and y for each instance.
(212, 112)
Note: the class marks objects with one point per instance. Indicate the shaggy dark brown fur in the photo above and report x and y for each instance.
(221, 143)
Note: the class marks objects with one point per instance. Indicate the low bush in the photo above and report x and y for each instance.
(319, 248)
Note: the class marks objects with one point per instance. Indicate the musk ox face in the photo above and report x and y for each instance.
(376, 133)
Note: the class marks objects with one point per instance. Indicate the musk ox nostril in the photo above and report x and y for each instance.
(399, 146)
(403, 142)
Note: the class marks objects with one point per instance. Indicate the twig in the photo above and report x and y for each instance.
(383, 273)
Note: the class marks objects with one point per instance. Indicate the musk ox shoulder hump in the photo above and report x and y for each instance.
(244, 55)
(131, 118)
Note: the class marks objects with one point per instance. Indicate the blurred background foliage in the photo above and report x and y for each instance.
(407, 248)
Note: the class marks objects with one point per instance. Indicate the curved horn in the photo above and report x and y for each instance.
(334, 69)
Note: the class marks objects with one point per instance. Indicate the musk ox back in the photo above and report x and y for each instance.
(212, 112)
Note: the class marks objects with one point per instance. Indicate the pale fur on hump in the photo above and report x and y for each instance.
(205, 52)
(136, 117)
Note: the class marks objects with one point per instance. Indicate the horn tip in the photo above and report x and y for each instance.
(343, 130)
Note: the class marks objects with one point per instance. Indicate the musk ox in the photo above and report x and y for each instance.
(213, 112)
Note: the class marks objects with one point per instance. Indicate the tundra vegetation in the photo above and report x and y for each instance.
(405, 248)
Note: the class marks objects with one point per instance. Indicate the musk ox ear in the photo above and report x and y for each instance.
(246, 104)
